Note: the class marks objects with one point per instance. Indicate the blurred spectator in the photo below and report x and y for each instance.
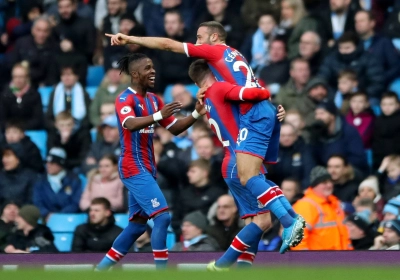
(75, 142)
(76, 30)
(251, 10)
(226, 224)
(104, 182)
(324, 216)
(83, 9)
(344, 178)
(100, 232)
(38, 50)
(108, 144)
(368, 205)
(360, 232)
(380, 47)
(391, 211)
(293, 91)
(199, 195)
(386, 132)
(276, 73)
(20, 101)
(31, 157)
(291, 189)
(332, 135)
(143, 243)
(272, 238)
(30, 236)
(8, 215)
(369, 189)
(16, 181)
(106, 93)
(115, 9)
(60, 190)
(294, 118)
(294, 159)
(361, 117)
(347, 85)
(311, 50)
(351, 55)
(69, 95)
(391, 185)
(177, 63)
(390, 239)
(181, 94)
(194, 226)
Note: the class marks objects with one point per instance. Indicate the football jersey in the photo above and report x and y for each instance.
(137, 152)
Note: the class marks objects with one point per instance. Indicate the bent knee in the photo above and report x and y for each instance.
(263, 221)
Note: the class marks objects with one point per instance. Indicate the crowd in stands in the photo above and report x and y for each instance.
(333, 64)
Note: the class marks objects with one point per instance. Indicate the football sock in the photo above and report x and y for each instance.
(159, 239)
(240, 244)
(282, 199)
(267, 196)
(121, 245)
(246, 259)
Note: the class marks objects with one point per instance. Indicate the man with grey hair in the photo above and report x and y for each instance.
(310, 49)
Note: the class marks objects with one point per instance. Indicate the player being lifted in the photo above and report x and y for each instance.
(137, 111)
(227, 64)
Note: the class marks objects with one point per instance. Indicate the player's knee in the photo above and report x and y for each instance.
(162, 219)
(134, 228)
(244, 179)
(263, 221)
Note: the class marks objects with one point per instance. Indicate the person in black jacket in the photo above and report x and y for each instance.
(30, 236)
(361, 231)
(8, 215)
(20, 101)
(100, 232)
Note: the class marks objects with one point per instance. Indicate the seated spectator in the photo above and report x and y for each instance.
(390, 239)
(143, 243)
(311, 50)
(391, 211)
(332, 135)
(104, 182)
(31, 155)
(391, 185)
(106, 93)
(20, 101)
(344, 178)
(181, 94)
(321, 208)
(60, 190)
(226, 222)
(380, 47)
(351, 55)
(293, 91)
(30, 236)
(106, 110)
(295, 158)
(276, 73)
(75, 142)
(199, 195)
(291, 189)
(16, 181)
(100, 232)
(109, 144)
(7, 222)
(360, 232)
(361, 117)
(294, 118)
(187, 142)
(38, 49)
(386, 132)
(347, 85)
(69, 95)
(368, 205)
(193, 233)
(369, 189)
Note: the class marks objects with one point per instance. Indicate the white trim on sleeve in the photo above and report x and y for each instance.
(185, 47)
(241, 93)
(171, 124)
(123, 122)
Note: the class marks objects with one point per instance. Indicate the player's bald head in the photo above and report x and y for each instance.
(198, 71)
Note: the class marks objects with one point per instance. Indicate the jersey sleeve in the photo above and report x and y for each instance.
(124, 106)
(201, 51)
(168, 122)
(238, 93)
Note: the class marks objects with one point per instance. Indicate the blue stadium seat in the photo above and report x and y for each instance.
(395, 87)
(368, 154)
(91, 91)
(94, 76)
(171, 240)
(121, 220)
(63, 241)
(39, 137)
(93, 134)
(45, 93)
(65, 222)
(83, 179)
(192, 88)
(376, 109)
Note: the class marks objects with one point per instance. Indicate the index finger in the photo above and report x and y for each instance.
(109, 35)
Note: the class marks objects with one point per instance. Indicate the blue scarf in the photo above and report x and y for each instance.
(259, 52)
(78, 108)
(188, 243)
(55, 181)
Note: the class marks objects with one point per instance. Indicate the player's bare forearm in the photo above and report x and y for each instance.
(134, 124)
(158, 43)
(182, 124)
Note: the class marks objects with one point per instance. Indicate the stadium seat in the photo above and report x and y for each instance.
(368, 154)
(83, 179)
(64, 223)
(93, 134)
(395, 87)
(45, 93)
(39, 137)
(121, 220)
(171, 240)
(376, 109)
(91, 91)
(94, 76)
(63, 241)
(192, 88)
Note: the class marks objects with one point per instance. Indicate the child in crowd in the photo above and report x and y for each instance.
(347, 84)
(369, 189)
(391, 186)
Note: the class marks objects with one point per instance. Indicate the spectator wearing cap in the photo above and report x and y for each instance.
(104, 182)
(8, 216)
(331, 135)
(143, 243)
(323, 214)
(369, 189)
(16, 181)
(59, 191)
(30, 235)
(194, 226)
(390, 239)
(360, 230)
(100, 232)
(391, 210)
(108, 144)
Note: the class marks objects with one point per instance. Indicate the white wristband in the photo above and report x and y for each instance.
(196, 114)
(157, 116)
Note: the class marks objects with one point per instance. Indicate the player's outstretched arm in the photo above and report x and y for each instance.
(159, 43)
(183, 124)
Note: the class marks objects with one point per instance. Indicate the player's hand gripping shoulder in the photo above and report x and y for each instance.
(118, 39)
(200, 95)
(281, 113)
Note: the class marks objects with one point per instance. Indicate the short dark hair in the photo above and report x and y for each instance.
(297, 60)
(359, 93)
(215, 27)
(366, 202)
(15, 124)
(201, 163)
(370, 14)
(349, 37)
(174, 12)
(344, 159)
(127, 60)
(294, 180)
(349, 74)
(390, 94)
(73, 68)
(101, 201)
(72, 1)
(198, 70)
(111, 158)
(280, 40)
(267, 14)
